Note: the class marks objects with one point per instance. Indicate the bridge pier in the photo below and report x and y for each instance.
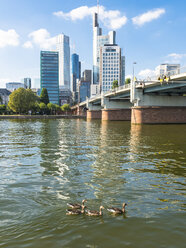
(158, 115)
(93, 114)
(116, 114)
(115, 110)
(158, 109)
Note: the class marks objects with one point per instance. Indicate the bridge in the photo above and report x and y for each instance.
(140, 102)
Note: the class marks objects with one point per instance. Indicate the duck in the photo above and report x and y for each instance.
(75, 211)
(95, 213)
(76, 205)
(117, 210)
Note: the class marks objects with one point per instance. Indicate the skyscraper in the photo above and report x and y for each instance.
(63, 48)
(110, 66)
(75, 71)
(49, 70)
(99, 40)
(27, 83)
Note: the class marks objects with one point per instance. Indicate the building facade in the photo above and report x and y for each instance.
(76, 74)
(168, 69)
(99, 40)
(110, 66)
(49, 70)
(14, 86)
(85, 85)
(27, 83)
(4, 96)
(63, 47)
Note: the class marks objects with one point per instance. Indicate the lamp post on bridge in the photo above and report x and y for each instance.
(132, 89)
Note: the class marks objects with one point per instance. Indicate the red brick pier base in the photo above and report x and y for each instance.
(158, 115)
(116, 114)
(93, 114)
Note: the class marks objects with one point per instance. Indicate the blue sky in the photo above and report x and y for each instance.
(150, 32)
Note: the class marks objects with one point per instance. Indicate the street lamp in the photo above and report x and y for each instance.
(132, 86)
(134, 63)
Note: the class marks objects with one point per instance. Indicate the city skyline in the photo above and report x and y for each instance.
(149, 33)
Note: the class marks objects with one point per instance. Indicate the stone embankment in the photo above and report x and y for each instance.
(4, 117)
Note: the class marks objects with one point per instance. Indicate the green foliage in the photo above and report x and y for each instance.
(115, 84)
(1, 100)
(44, 96)
(22, 100)
(2, 109)
(42, 106)
(51, 107)
(58, 109)
(127, 81)
(65, 107)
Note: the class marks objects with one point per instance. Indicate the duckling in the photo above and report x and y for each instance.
(75, 211)
(95, 213)
(117, 210)
(76, 205)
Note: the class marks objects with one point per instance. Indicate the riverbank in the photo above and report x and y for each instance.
(4, 117)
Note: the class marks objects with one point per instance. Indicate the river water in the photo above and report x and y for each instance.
(46, 163)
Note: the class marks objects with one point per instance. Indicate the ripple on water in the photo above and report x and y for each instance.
(45, 164)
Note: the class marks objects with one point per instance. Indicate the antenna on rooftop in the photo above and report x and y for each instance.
(98, 6)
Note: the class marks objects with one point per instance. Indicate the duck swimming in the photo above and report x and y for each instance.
(95, 213)
(75, 211)
(117, 210)
(76, 205)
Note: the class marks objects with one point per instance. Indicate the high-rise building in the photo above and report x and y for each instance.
(122, 70)
(27, 83)
(84, 85)
(87, 76)
(99, 40)
(49, 70)
(110, 66)
(63, 48)
(75, 71)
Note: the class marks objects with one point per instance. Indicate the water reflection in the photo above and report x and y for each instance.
(46, 163)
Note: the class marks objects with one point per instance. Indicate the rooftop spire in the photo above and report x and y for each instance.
(98, 7)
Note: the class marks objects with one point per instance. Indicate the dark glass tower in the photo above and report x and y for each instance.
(49, 70)
(75, 70)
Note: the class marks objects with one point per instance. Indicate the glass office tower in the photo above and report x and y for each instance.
(49, 70)
(75, 71)
(63, 47)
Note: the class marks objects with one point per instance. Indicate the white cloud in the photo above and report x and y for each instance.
(128, 76)
(28, 44)
(147, 73)
(8, 38)
(41, 38)
(147, 17)
(111, 18)
(176, 56)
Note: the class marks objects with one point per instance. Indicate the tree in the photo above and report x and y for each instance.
(127, 81)
(22, 100)
(58, 109)
(2, 109)
(51, 107)
(1, 100)
(65, 107)
(44, 96)
(115, 84)
(43, 107)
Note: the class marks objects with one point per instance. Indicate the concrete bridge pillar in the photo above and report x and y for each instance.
(94, 111)
(158, 109)
(116, 110)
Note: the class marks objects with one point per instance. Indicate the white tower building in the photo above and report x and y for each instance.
(63, 48)
(110, 66)
(99, 40)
